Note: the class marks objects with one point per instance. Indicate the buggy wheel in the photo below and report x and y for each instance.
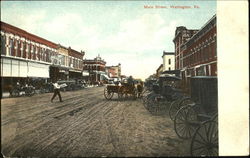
(153, 104)
(121, 93)
(185, 122)
(176, 105)
(145, 98)
(107, 94)
(15, 93)
(205, 140)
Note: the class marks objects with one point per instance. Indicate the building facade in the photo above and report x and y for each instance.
(197, 56)
(95, 68)
(114, 71)
(159, 71)
(68, 63)
(168, 61)
(26, 57)
(75, 63)
(182, 35)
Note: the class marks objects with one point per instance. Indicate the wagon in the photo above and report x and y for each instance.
(110, 89)
(127, 90)
(124, 90)
(198, 119)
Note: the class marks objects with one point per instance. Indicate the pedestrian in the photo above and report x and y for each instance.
(56, 91)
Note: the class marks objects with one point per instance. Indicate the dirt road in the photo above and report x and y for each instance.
(85, 124)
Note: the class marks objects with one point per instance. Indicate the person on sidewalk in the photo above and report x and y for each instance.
(56, 91)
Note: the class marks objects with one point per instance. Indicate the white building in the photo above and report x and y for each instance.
(168, 61)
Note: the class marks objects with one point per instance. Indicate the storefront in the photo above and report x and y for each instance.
(75, 74)
(16, 70)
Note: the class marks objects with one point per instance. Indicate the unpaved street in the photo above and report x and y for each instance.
(85, 124)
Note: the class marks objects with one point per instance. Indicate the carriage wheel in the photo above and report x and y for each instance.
(145, 98)
(173, 109)
(121, 93)
(185, 122)
(152, 103)
(15, 93)
(176, 105)
(205, 140)
(108, 95)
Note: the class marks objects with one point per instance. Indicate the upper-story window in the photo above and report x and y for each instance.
(169, 61)
(215, 47)
(11, 48)
(3, 45)
(34, 52)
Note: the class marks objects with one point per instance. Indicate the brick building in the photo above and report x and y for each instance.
(114, 71)
(75, 63)
(182, 35)
(26, 57)
(68, 63)
(95, 68)
(196, 51)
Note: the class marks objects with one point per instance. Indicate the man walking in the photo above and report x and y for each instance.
(56, 91)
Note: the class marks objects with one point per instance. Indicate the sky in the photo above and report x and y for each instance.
(119, 31)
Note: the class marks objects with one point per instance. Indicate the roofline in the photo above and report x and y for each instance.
(24, 32)
(168, 53)
(159, 67)
(214, 16)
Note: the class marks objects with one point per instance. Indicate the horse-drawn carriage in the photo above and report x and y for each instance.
(196, 117)
(123, 90)
(194, 113)
(164, 91)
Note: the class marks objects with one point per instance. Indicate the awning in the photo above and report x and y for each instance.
(72, 70)
(38, 70)
(19, 68)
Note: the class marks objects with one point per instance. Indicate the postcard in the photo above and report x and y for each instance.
(124, 78)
